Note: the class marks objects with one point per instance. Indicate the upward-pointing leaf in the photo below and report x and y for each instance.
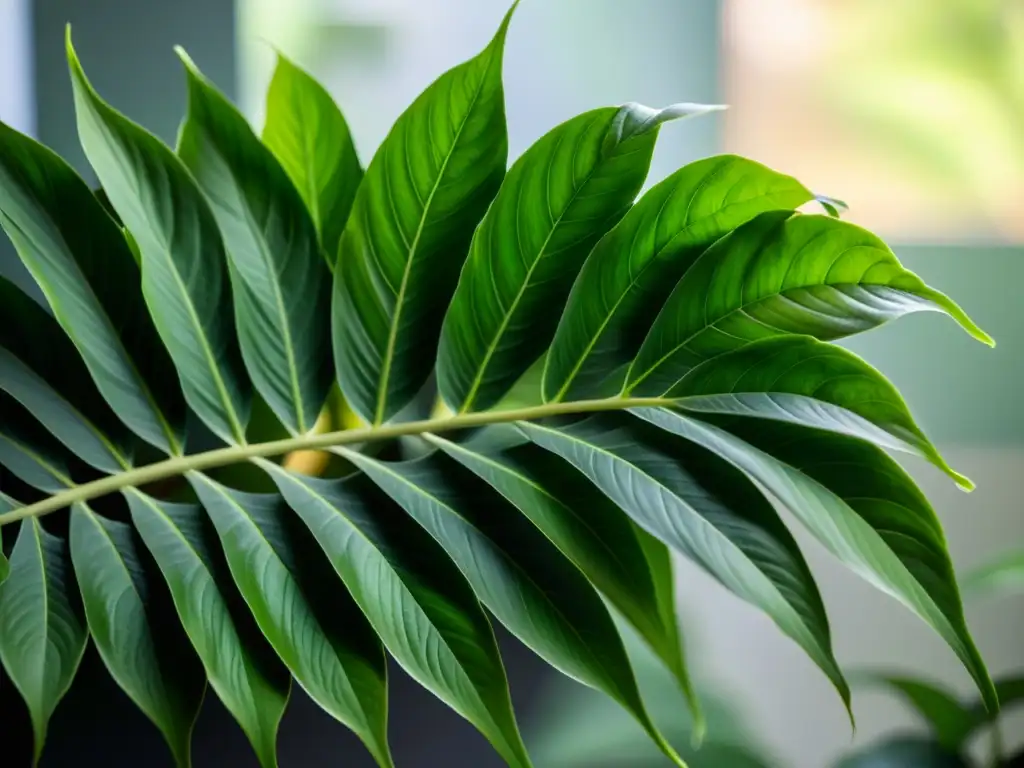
(281, 284)
(42, 629)
(135, 631)
(247, 677)
(781, 274)
(707, 510)
(566, 191)
(41, 369)
(518, 574)
(310, 138)
(317, 630)
(184, 274)
(6, 505)
(86, 271)
(859, 504)
(425, 190)
(633, 268)
(630, 567)
(1005, 575)
(415, 598)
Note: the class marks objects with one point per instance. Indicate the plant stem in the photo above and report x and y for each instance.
(220, 457)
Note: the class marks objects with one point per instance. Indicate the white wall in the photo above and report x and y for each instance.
(16, 105)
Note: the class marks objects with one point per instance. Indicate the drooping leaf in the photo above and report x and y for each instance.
(417, 601)
(860, 504)
(631, 568)
(41, 369)
(84, 268)
(800, 380)
(184, 272)
(242, 670)
(699, 505)
(280, 283)
(905, 752)
(135, 631)
(517, 573)
(1004, 576)
(311, 139)
(780, 274)
(29, 452)
(557, 200)
(317, 630)
(632, 270)
(426, 189)
(42, 630)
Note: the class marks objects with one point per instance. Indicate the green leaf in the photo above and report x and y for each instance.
(30, 453)
(520, 576)
(6, 505)
(803, 381)
(782, 273)
(281, 284)
(425, 191)
(905, 752)
(1004, 576)
(184, 272)
(42, 629)
(317, 630)
(558, 199)
(416, 599)
(631, 271)
(136, 633)
(951, 722)
(85, 269)
(311, 139)
(242, 670)
(631, 568)
(42, 370)
(860, 504)
(699, 505)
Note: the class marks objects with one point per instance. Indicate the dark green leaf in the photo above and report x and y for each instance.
(29, 452)
(1004, 576)
(558, 199)
(631, 568)
(310, 137)
(782, 273)
(416, 599)
(6, 505)
(905, 752)
(516, 572)
(316, 629)
(42, 629)
(633, 268)
(425, 191)
(253, 685)
(860, 504)
(281, 284)
(136, 634)
(799, 380)
(701, 506)
(41, 369)
(184, 272)
(85, 269)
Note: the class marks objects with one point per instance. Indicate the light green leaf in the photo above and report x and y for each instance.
(632, 270)
(417, 601)
(860, 504)
(6, 505)
(311, 139)
(42, 370)
(184, 272)
(84, 268)
(558, 199)
(42, 629)
(803, 381)
(317, 630)
(631, 568)
(280, 282)
(524, 580)
(701, 506)
(781, 274)
(425, 191)
(135, 629)
(247, 677)
(1004, 576)
(29, 452)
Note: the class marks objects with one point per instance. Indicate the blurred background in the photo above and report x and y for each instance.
(912, 111)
